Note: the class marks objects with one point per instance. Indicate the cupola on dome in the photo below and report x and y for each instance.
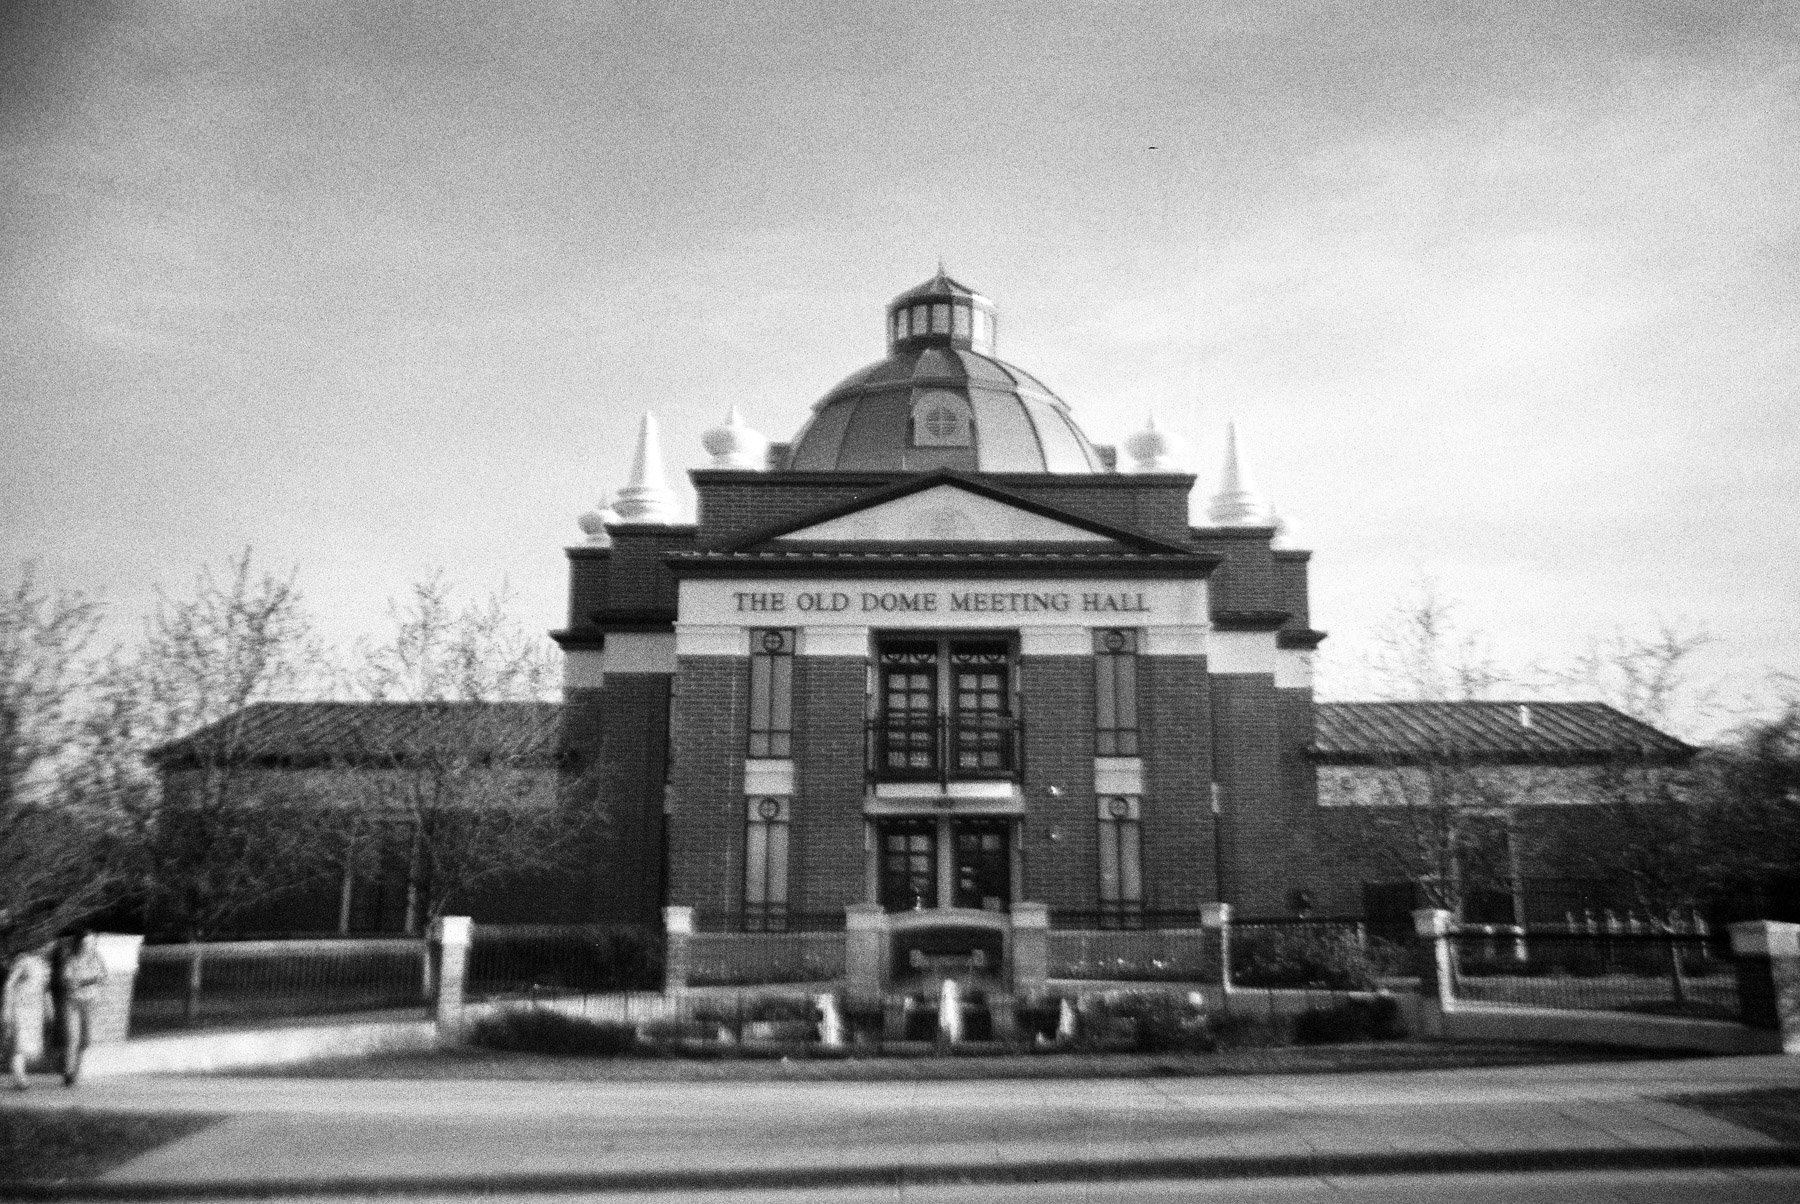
(941, 399)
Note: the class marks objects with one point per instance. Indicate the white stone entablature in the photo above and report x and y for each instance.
(1039, 605)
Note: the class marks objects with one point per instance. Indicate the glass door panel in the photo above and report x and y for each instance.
(980, 691)
(982, 864)
(909, 694)
(908, 864)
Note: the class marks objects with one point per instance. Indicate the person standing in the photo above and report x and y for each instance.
(23, 1005)
(79, 978)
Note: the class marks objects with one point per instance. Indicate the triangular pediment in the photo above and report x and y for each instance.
(944, 513)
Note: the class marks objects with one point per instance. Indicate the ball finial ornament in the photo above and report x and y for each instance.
(1150, 449)
(736, 445)
(593, 525)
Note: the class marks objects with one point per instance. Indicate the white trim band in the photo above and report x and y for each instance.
(709, 639)
(1242, 652)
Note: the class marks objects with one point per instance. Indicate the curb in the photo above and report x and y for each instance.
(897, 1175)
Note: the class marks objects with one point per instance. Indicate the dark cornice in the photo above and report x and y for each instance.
(1248, 534)
(1041, 480)
(915, 565)
(1249, 620)
(1299, 637)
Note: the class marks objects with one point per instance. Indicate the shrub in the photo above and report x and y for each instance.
(1162, 1022)
(1248, 1030)
(780, 1008)
(1302, 958)
(1370, 1019)
(715, 1014)
(864, 1016)
(1040, 1016)
(540, 1030)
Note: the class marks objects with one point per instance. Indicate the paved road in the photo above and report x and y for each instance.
(1550, 1187)
(574, 1135)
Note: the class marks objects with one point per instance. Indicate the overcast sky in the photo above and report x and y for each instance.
(1504, 294)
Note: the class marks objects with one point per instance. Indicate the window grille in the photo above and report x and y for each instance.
(772, 693)
(766, 865)
(1121, 862)
(1115, 694)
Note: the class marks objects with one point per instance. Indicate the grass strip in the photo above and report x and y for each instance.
(76, 1143)
(771, 1066)
(1771, 1111)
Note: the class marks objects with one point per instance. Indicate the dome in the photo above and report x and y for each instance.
(942, 400)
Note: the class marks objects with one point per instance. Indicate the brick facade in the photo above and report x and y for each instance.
(826, 861)
(1175, 701)
(1061, 859)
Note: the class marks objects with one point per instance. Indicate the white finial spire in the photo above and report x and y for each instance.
(735, 445)
(1237, 504)
(1150, 450)
(648, 498)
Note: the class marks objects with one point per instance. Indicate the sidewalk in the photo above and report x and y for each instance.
(324, 1136)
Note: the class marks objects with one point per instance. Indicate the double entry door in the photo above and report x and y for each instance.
(939, 861)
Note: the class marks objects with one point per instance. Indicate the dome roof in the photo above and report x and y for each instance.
(942, 400)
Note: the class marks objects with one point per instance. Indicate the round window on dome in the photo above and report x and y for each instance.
(940, 419)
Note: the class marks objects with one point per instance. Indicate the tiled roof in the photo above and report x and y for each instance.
(313, 733)
(1347, 733)
(1363, 733)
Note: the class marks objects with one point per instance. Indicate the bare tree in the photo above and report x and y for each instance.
(1435, 814)
(459, 754)
(1424, 652)
(1649, 678)
(1439, 818)
(55, 867)
(1661, 843)
(221, 833)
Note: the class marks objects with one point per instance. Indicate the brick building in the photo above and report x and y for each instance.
(943, 653)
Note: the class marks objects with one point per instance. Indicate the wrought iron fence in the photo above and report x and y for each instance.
(1144, 946)
(1332, 952)
(1665, 973)
(244, 982)
(509, 960)
(809, 948)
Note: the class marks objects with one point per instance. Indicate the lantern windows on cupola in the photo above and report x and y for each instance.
(941, 313)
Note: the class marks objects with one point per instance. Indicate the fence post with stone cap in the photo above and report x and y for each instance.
(1767, 954)
(118, 952)
(678, 952)
(1215, 918)
(1030, 947)
(1437, 985)
(450, 939)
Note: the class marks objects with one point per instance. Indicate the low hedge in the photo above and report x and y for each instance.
(540, 1030)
